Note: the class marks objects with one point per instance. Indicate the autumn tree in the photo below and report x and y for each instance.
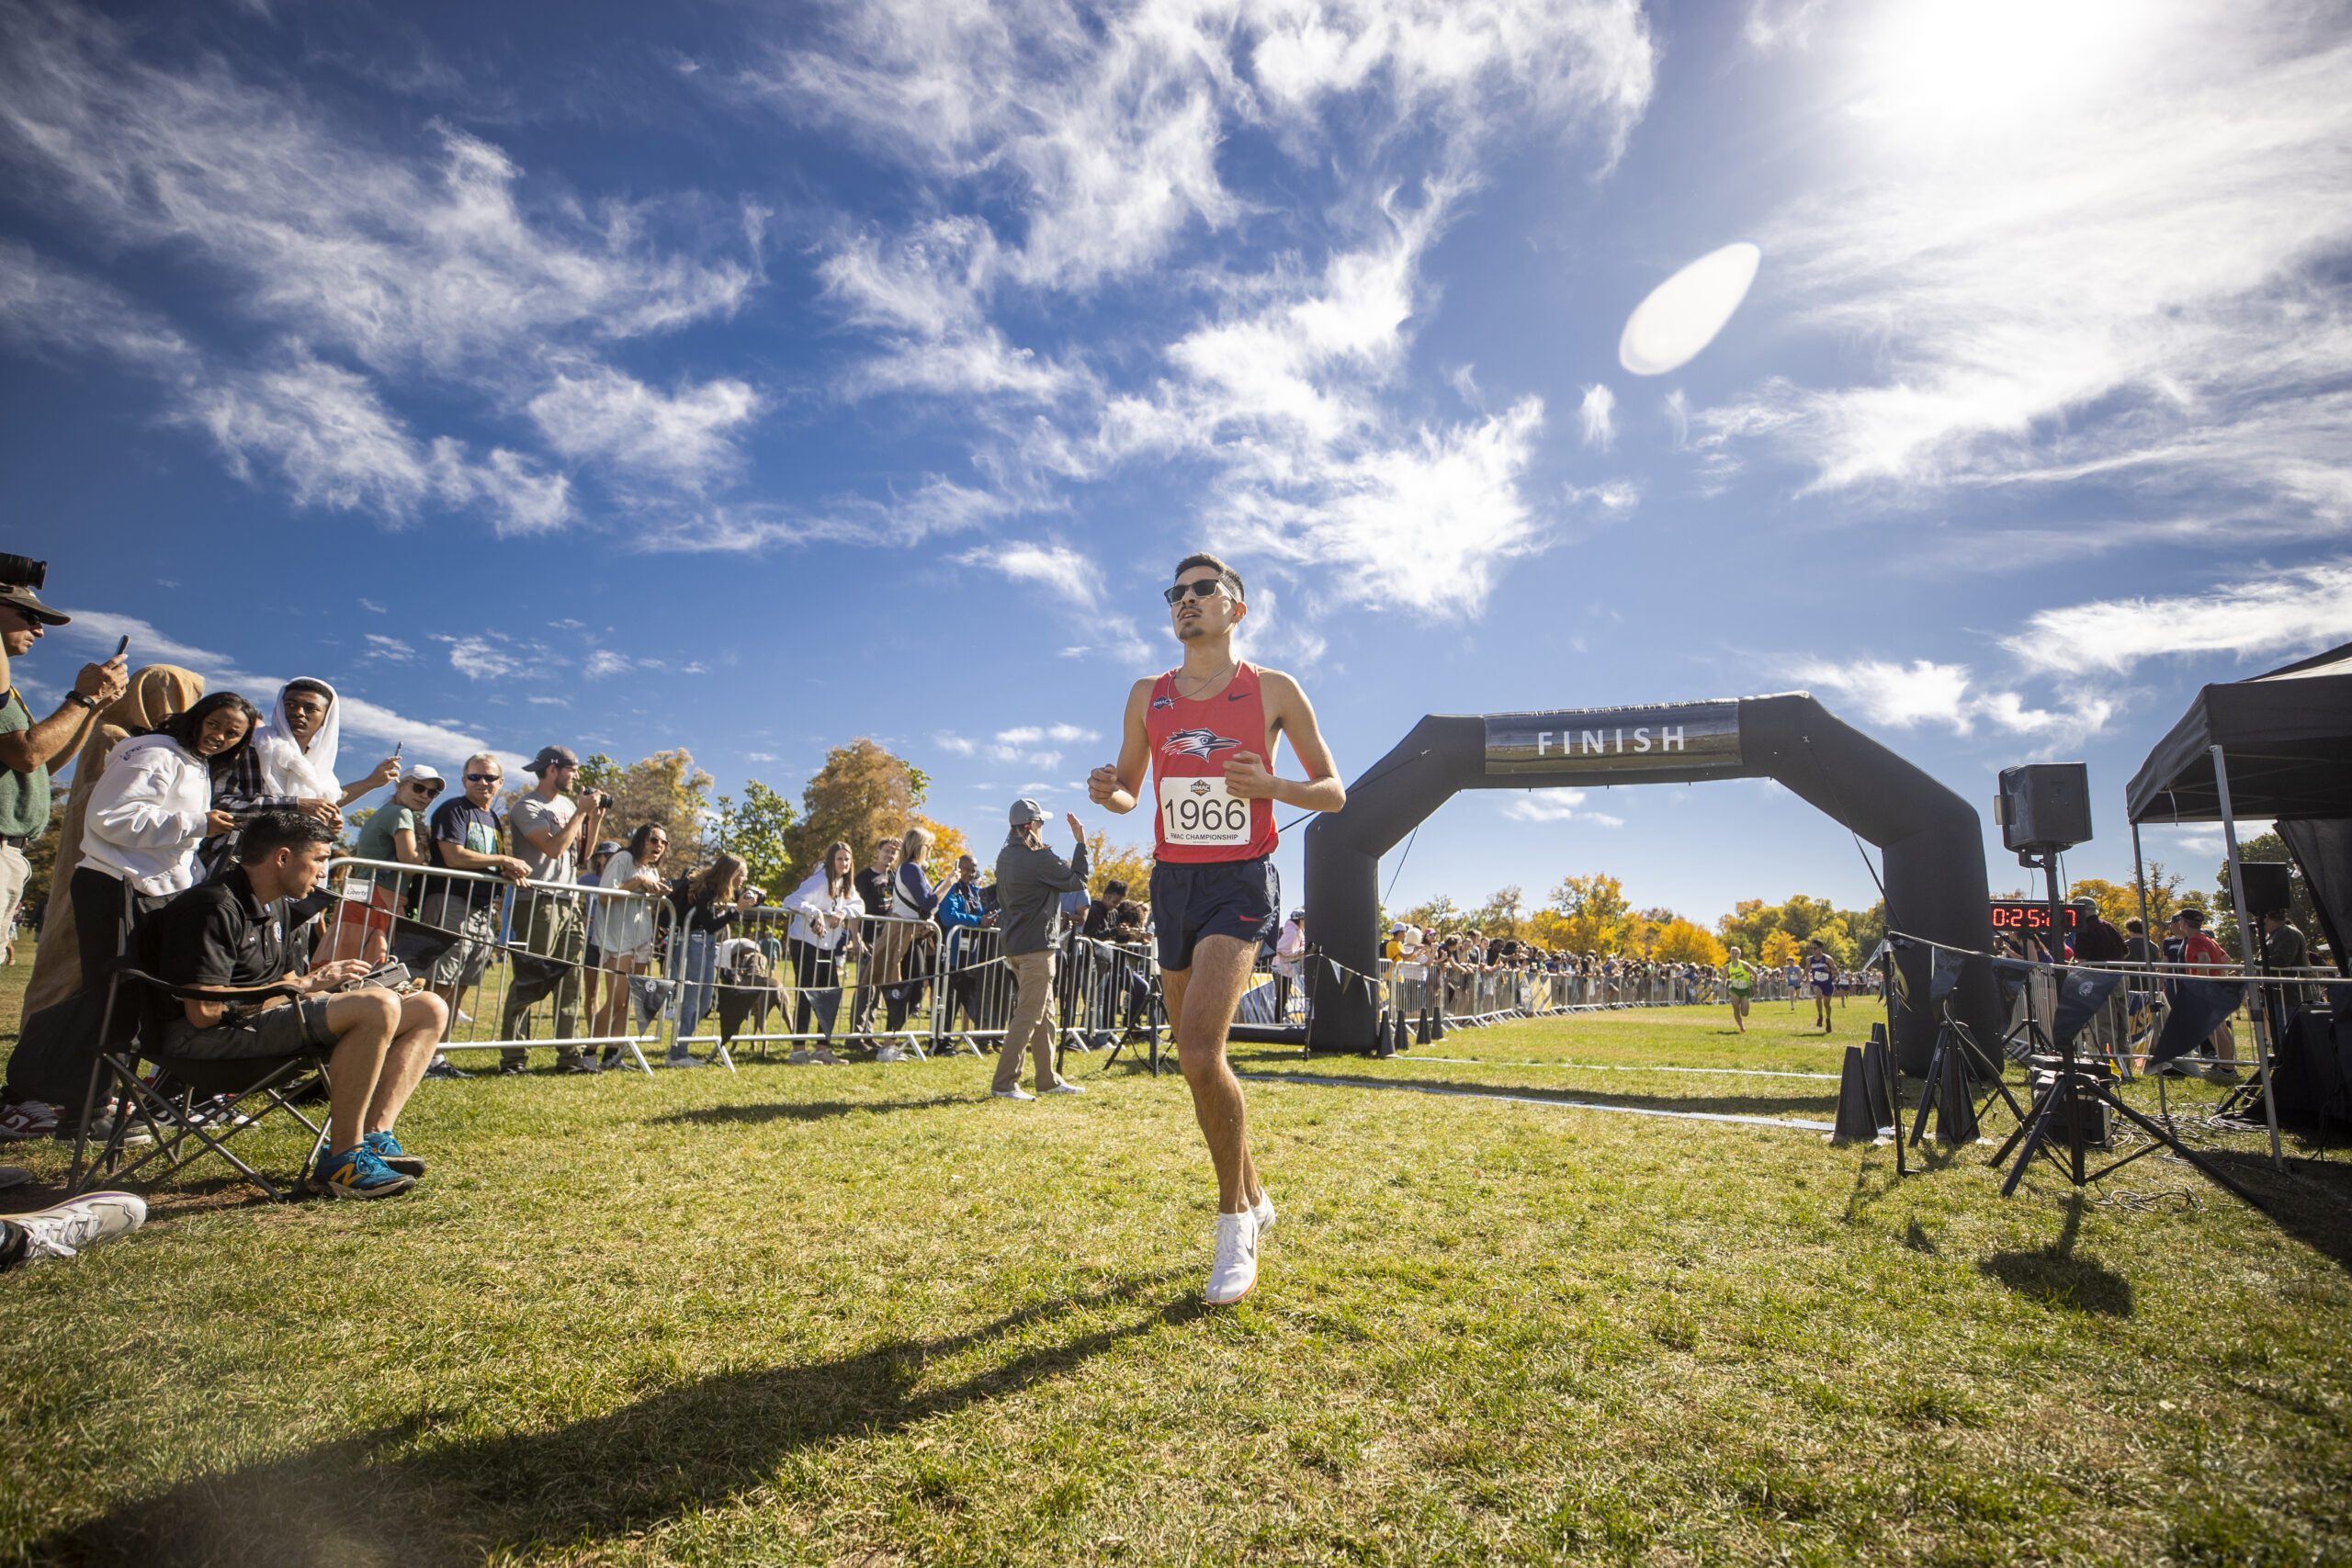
(1679, 941)
(1437, 914)
(665, 789)
(861, 795)
(757, 827)
(1594, 912)
(948, 845)
(1501, 915)
(1107, 861)
(1780, 950)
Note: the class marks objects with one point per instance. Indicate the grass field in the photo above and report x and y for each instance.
(865, 1314)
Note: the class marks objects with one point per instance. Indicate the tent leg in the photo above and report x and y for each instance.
(2246, 950)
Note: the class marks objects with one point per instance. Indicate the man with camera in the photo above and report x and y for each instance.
(30, 747)
(548, 825)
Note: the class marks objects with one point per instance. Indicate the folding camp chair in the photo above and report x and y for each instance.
(191, 1106)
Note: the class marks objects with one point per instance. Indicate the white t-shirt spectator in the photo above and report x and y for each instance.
(147, 814)
(624, 924)
(814, 898)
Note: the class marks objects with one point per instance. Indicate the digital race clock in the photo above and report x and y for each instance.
(2021, 915)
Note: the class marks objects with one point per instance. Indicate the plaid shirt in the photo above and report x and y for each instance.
(238, 790)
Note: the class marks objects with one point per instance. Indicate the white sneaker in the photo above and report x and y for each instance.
(801, 1058)
(1264, 1212)
(889, 1053)
(1233, 1274)
(1014, 1093)
(1064, 1087)
(65, 1228)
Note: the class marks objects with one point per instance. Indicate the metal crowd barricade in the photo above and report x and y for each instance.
(483, 926)
(749, 971)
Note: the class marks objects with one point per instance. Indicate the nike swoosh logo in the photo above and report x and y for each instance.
(1234, 696)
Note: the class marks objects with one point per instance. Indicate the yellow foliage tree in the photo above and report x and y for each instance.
(862, 795)
(1680, 942)
(1780, 950)
(1107, 863)
(1594, 911)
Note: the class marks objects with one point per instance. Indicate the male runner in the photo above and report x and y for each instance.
(1739, 984)
(1824, 970)
(1208, 728)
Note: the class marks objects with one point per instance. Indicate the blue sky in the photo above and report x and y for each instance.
(751, 378)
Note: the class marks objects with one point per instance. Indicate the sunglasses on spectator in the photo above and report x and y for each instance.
(483, 778)
(1206, 588)
(423, 787)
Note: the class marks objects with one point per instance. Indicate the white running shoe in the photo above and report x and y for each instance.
(1264, 1212)
(801, 1058)
(1016, 1092)
(889, 1053)
(65, 1228)
(1064, 1087)
(1233, 1274)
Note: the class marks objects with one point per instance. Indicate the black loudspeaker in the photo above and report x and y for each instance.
(2045, 803)
(2267, 886)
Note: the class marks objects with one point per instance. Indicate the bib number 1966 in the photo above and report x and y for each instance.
(1204, 812)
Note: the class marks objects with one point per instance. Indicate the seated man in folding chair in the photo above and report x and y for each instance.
(232, 934)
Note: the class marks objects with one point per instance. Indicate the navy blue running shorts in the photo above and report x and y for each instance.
(1226, 897)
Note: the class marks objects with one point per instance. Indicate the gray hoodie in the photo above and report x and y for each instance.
(1028, 883)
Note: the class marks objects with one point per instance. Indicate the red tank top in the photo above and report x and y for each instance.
(1197, 819)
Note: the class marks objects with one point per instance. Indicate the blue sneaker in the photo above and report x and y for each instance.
(358, 1173)
(386, 1147)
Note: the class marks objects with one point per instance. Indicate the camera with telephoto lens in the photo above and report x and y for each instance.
(23, 572)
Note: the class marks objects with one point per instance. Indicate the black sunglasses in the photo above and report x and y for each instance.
(1208, 587)
(482, 778)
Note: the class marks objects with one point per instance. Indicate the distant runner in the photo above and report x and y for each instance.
(1207, 729)
(1823, 971)
(1740, 984)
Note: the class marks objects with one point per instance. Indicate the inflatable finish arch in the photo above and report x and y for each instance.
(1933, 843)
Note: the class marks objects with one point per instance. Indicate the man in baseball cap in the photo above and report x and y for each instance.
(29, 748)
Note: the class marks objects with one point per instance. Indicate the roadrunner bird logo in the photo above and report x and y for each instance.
(1196, 743)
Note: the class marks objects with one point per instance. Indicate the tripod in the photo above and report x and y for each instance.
(2066, 1104)
(1946, 1093)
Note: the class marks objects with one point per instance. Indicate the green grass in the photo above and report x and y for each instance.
(865, 1316)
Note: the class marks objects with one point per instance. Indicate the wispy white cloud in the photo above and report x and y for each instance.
(685, 436)
(1924, 693)
(603, 661)
(326, 433)
(2289, 610)
(1072, 578)
(1551, 806)
(1596, 416)
(2116, 261)
(389, 648)
(480, 658)
(398, 258)
(936, 508)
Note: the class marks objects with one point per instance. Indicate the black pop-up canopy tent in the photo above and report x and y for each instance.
(2276, 746)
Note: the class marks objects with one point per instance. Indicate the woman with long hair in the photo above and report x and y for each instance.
(912, 900)
(623, 930)
(149, 811)
(825, 911)
(708, 903)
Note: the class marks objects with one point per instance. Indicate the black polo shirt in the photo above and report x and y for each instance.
(219, 933)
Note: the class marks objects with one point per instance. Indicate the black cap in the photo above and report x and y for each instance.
(548, 757)
(19, 597)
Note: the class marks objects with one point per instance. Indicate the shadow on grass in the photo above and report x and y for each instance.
(800, 1111)
(1718, 1104)
(2058, 1276)
(2310, 1201)
(377, 1498)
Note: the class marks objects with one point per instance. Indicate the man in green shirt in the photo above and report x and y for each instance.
(1740, 984)
(30, 747)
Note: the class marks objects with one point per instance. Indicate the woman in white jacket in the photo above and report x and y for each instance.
(149, 811)
(825, 912)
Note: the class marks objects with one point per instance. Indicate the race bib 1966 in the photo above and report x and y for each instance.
(1203, 812)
